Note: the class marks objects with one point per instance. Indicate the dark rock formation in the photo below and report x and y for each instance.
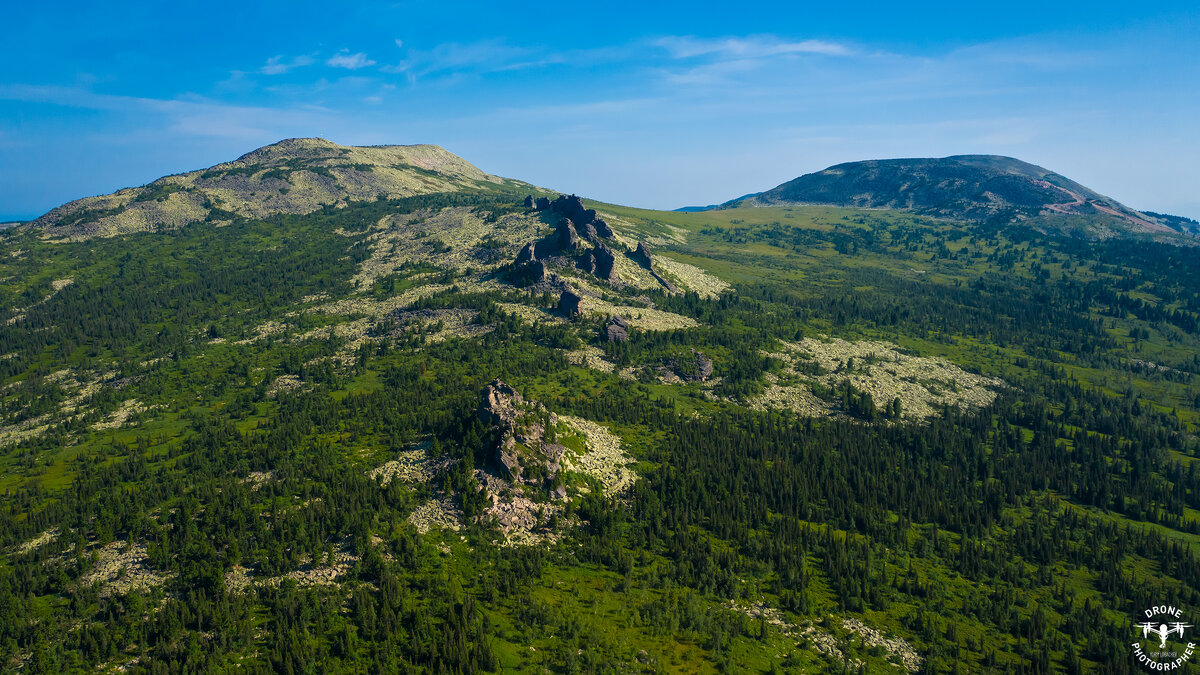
(565, 235)
(572, 207)
(528, 254)
(568, 304)
(698, 369)
(542, 203)
(544, 248)
(527, 269)
(605, 261)
(587, 231)
(642, 256)
(704, 366)
(616, 330)
(587, 262)
(529, 203)
(602, 228)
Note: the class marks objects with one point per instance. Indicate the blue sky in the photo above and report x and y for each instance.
(649, 104)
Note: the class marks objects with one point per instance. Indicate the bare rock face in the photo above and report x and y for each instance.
(588, 231)
(529, 203)
(568, 304)
(541, 203)
(617, 329)
(602, 228)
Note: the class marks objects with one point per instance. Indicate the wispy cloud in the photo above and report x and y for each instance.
(484, 56)
(344, 59)
(751, 47)
(277, 65)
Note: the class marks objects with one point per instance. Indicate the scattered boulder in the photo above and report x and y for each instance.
(617, 329)
(568, 304)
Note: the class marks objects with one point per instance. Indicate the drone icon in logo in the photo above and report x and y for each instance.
(1162, 631)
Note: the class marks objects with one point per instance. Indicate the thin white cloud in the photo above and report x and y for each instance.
(751, 47)
(344, 59)
(276, 65)
(454, 57)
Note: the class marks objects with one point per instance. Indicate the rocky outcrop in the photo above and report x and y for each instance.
(528, 254)
(699, 368)
(605, 262)
(568, 304)
(704, 366)
(565, 235)
(602, 228)
(572, 207)
(529, 203)
(642, 256)
(542, 203)
(616, 330)
(587, 262)
(522, 433)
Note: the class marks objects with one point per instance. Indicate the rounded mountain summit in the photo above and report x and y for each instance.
(975, 187)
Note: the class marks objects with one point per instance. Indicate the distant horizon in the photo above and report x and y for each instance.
(665, 110)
